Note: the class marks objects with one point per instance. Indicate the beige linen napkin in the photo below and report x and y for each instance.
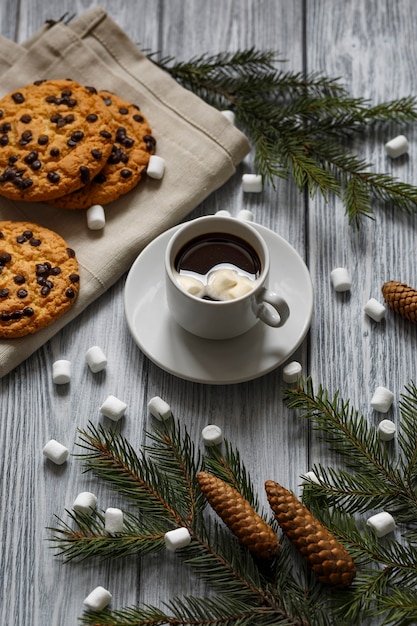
(200, 147)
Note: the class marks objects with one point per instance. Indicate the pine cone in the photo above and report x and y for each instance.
(324, 554)
(238, 515)
(402, 299)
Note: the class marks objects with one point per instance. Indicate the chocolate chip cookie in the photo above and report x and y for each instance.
(39, 279)
(129, 157)
(55, 136)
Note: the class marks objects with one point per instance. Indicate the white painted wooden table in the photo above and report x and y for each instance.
(371, 45)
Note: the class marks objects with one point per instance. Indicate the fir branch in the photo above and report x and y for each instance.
(284, 113)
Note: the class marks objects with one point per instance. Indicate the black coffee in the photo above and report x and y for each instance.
(215, 251)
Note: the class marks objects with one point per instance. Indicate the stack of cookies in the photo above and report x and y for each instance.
(73, 147)
(70, 145)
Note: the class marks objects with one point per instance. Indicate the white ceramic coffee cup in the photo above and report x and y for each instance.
(222, 319)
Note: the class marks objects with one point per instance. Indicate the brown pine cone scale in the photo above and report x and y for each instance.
(402, 299)
(328, 559)
(238, 515)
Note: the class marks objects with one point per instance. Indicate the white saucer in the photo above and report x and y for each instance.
(219, 362)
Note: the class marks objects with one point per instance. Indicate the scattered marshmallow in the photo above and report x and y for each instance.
(98, 599)
(113, 408)
(230, 115)
(61, 372)
(96, 359)
(375, 310)
(177, 538)
(212, 435)
(55, 451)
(397, 146)
(381, 523)
(340, 279)
(310, 477)
(382, 399)
(245, 215)
(386, 430)
(156, 167)
(113, 520)
(291, 372)
(96, 218)
(159, 408)
(223, 213)
(252, 183)
(85, 502)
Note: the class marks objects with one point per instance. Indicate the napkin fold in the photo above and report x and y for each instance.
(200, 146)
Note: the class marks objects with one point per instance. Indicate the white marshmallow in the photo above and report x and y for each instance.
(96, 218)
(96, 359)
(191, 285)
(252, 183)
(98, 599)
(291, 372)
(156, 167)
(340, 279)
(223, 213)
(310, 477)
(85, 502)
(159, 408)
(382, 399)
(397, 146)
(55, 451)
(230, 115)
(177, 538)
(381, 523)
(225, 284)
(212, 435)
(61, 372)
(386, 430)
(113, 520)
(374, 310)
(113, 408)
(245, 215)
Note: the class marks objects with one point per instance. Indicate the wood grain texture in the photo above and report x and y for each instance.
(372, 46)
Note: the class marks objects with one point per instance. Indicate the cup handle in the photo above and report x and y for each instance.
(276, 317)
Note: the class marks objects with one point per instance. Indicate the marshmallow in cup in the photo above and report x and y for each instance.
(222, 303)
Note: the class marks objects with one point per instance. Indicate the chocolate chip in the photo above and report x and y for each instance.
(22, 293)
(4, 140)
(5, 317)
(18, 97)
(100, 178)
(54, 152)
(74, 278)
(69, 119)
(92, 117)
(97, 154)
(84, 175)
(5, 258)
(126, 173)
(5, 128)
(16, 315)
(28, 234)
(45, 291)
(107, 101)
(43, 140)
(55, 271)
(70, 293)
(138, 118)
(70, 252)
(105, 134)
(4, 293)
(25, 138)
(25, 119)
(150, 142)
(36, 165)
(13, 159)
(19, 279)
(77, 136)
(28, 311)
(123, 111)
(53, 177)
(31, 157)
(91, 89)
(35, 242)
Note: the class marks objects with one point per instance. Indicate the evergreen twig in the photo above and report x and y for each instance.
(299, 125)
